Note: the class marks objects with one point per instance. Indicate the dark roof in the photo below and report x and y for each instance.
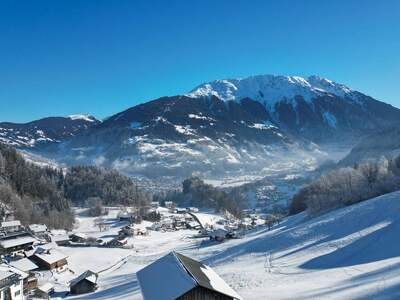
(197, 270)
(194, 268)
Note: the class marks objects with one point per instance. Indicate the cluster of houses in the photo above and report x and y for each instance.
(26, 251)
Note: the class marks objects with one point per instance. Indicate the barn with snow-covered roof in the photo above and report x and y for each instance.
(178, 277)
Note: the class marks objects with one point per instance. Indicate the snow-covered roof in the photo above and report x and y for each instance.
(7, 271)
(36, 228)
(47, 287)
(51, 256)
(80, 235)
(87, 275)
(24, 264)
(59, 238)
(17, 241)
(175, 274)
(10, 223)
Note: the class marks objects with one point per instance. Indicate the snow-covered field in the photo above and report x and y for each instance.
(351, 253)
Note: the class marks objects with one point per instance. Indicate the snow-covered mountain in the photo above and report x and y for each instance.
(45, 131)
(315, 108)
(257, 124)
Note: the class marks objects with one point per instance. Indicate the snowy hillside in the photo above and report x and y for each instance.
(270, 89)
(45, 131)
(351, 253)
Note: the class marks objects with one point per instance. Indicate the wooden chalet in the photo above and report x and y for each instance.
(178, 277)
(84, 283)
(13, 242)
(49, 259)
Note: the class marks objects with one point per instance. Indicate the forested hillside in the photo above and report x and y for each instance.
(349, 185)
(45, 195)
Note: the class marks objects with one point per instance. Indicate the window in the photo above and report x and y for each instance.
(17, 293)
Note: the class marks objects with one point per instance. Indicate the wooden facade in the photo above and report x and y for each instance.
(83, 286)
(201, 293)
(49, 266)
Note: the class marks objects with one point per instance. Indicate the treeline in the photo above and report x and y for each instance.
(199, 194)
(84, 182)
(45, 195)
(34, 194)
(346, 186)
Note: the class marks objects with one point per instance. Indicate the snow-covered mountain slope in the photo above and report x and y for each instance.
(256, 124)
(45, 131)
(350, 253)
(178, 136)
(271, 89)
(313, 107)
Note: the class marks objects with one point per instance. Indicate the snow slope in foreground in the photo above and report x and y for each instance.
(351, 253)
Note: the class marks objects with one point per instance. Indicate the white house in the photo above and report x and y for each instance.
(11, 283)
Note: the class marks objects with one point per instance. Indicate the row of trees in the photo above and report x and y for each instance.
(349, 185)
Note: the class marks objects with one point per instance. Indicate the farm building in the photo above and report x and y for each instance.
(50, 259)
(39, 230)
(177, 277)
(84, 283)
(60, 239)
(15, 241)
(11, 226)
(78, 237)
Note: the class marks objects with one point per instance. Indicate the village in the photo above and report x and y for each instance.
(41, 263)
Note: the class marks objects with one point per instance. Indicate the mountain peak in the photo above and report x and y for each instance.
(270, 89)
(84, 117)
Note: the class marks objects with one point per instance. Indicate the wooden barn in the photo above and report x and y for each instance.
(178, 277)
(49, 259)
(84, 283)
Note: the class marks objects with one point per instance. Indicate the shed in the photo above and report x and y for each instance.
(178, 277)
(84, 283)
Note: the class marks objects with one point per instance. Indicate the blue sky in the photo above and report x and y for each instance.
(100, 57)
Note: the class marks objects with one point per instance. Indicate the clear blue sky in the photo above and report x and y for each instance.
(100, 57)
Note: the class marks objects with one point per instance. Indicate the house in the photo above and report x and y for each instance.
(192, 209)
(78, 237)
(60, 239)
(125, 216)
(45, 291)
(154, 204)
(50, 259)
(84, 283)
(39, 230)
(193, 225)
(218, 234)
(27, 266)
(117, 242)
(180, 210)
(11, 283)
(169, 204)
(11, 226)
(14, 242)
(179, 277)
